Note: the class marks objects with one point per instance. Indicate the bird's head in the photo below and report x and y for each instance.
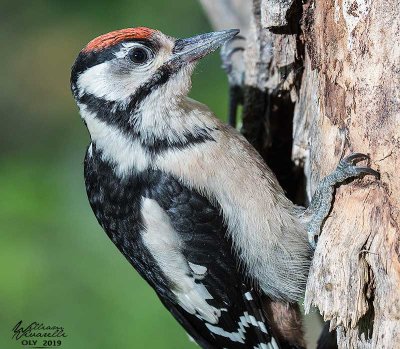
(128, 65)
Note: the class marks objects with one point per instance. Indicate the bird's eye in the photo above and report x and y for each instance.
(139, 55)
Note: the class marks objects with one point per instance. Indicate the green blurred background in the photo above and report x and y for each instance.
(56, 264)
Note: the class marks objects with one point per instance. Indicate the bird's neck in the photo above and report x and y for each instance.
(132, 139)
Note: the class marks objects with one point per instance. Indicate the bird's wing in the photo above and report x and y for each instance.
(261, 221)
(186, 236)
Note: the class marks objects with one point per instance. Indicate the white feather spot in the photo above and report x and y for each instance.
(253, 321)
(233, 336)
(248, 296)
(241, 328)
(274, 344)
(243, 321)
(198, 269)
(262, 327)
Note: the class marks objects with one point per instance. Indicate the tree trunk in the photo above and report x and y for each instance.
(322, 81)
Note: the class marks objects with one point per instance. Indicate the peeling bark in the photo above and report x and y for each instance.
(352, 70)
(322, 81)
(274, 13)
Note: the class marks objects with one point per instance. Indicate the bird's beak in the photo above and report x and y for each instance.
(192, 49)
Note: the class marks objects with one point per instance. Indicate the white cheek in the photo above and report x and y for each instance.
(102, 82)
(105, 81)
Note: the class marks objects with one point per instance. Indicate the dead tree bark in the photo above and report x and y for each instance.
(323, 80)
(353, 89)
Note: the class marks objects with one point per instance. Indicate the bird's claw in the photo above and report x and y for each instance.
(355, 157)
(227, 51)
(226, 58)
(313, 239)
(347, 167)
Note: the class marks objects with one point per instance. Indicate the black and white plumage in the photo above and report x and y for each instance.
(176, 239)
(185, 198)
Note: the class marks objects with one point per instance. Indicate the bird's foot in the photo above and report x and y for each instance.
(347, 168)
(322, 200)
(233, 65)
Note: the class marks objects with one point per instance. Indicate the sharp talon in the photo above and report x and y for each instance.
(225, 48)
(234, 50)
(355, 157)
(313, 242)
(321, 202)
(346, 164)
(312, 239)
(227, 51)
(226, 58)
(234, 68)
(368, 170)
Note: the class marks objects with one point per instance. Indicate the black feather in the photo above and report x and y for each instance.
(116, 203)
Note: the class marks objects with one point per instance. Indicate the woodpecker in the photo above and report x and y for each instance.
(186, 199)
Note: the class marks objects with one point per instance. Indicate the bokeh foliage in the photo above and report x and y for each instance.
(56, 264)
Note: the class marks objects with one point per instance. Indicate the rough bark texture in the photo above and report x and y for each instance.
(350, 101)
(323, 80)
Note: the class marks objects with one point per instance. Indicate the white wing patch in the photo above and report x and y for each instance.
(233, 336)
(164, 244)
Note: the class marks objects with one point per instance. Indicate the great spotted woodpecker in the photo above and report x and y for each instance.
(186, 199)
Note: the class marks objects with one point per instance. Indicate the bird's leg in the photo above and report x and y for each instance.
(322, 199)
(235, 73)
